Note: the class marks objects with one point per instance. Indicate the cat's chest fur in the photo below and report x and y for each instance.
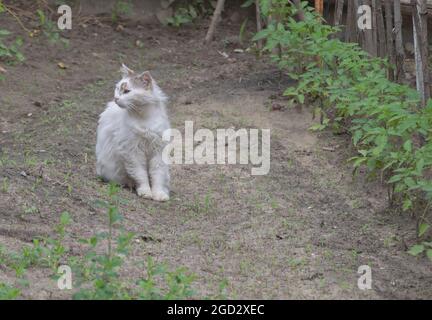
(142, 134)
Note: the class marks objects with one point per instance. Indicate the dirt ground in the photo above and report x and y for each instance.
(300, 232)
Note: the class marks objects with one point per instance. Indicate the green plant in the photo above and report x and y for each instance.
(5, 185)
(182, 16)
(98, 273)
(177, 283)
(103, 270)
(121, 7)
(50, 29)
(351, 93)
(188, 12)
(202, 206)
(10, 53)
(8, 292)
(44, 251)
(424, 247)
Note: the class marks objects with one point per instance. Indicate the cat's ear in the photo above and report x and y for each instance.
(145, 79)
(126, 72)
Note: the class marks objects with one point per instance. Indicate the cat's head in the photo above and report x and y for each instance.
(137, 90)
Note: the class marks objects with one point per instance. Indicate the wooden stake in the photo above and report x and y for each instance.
(214, 21)
(400, 52)
(421, 49)
(351, 25)
(424, 47)
(319, 6)
(382, 41)
(389, 36)
(369, 36)
(339, 12)
(258, 22)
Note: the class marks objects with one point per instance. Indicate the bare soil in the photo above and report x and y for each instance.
(300, 232)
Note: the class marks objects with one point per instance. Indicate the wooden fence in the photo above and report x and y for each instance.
(385, 39)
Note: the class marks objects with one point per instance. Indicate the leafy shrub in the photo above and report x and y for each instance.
(390, 131)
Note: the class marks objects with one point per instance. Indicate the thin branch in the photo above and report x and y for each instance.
(214, 21)
(16, 18)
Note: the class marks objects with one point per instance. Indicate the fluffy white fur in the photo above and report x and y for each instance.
(129, 136)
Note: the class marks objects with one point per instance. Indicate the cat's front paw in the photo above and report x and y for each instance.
(145, 192)
(160, 196)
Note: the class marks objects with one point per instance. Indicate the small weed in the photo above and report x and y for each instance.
(50, 29)
(202, 206)
(121, 7)
(8, 292)
(185, 14)
(5, 185)
(10, 53)
(30, 209)
(5, 161)
(296, 263)
(97, 274)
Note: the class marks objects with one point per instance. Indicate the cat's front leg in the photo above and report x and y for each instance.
(137, 170)
(159, 175)
(143, 188)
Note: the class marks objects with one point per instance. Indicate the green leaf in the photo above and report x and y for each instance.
(408, 146)
(429, 254)
(4, 32)
(265, 7)
(317, 127)
(363, 152)
(248, 3)
(427, 244)
(193, 12)
(420, 166)
(423, 227)
(359, 161)
(410, 182)
(358, 134)
(395, 179)
(407, 204)
(260, 35)
(65, 218)
(301, 98)
(415, 250)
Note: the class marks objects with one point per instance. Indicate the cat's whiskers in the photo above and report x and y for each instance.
(132, 107)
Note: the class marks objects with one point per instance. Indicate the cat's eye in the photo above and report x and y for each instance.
(126, 91)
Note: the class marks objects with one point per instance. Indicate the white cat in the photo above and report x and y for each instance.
(129, 136)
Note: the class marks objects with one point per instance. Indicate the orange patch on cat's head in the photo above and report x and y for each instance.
(144, 79)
